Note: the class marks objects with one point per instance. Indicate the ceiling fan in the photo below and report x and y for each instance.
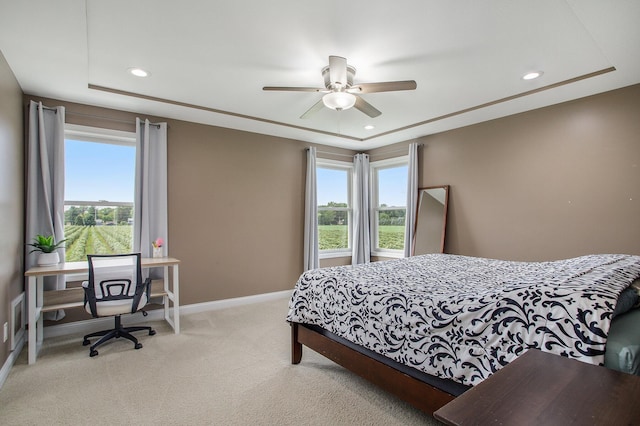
(340, 91)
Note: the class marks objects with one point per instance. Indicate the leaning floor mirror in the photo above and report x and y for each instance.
(431, 220)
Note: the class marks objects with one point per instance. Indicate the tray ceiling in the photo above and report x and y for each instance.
(209, 60)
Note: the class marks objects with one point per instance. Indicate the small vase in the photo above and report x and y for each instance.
(48, 259)
(157, 252)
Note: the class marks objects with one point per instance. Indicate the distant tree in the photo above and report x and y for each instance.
(106, 214)
(71, 214)
(123, 213)
(90, 216)
(326, 217)
(79, 220)
(331, 217)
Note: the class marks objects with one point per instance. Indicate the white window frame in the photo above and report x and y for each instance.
(324, 163)
(375, 167)
(99, 135)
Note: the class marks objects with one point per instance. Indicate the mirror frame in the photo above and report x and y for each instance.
(444, 222)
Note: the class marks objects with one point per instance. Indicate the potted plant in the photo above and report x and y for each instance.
(47, 248)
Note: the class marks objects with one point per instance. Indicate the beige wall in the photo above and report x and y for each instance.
(236, 204)
(11, 196)
(235, 211)
(556, 182)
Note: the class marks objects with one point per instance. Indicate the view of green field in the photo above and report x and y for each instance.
(333, 237)
(336, 237)
(391, 237)
(83, 240)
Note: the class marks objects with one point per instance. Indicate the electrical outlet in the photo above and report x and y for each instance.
(6, 332)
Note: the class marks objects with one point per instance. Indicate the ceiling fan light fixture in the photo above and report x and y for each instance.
(339, 100)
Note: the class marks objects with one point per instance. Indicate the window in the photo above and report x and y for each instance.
(389, 201)
(334, 207)
(99, 188)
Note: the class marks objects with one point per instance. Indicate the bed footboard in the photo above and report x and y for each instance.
(421, 395)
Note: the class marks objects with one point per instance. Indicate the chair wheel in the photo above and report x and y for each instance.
(138, 346)
(152, 332)
(86, 342)
(93, 353)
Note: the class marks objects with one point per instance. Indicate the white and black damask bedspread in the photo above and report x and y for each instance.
(463, 318)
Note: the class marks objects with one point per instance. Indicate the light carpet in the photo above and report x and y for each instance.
(226, 367)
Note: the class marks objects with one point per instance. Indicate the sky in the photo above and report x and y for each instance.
(393, 186)
(99, 171)
(332, 186)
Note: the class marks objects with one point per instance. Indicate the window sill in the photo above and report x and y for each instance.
(334, 254)
(392, 254)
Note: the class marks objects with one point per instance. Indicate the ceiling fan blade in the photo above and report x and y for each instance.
(366, 107)
(338, 71)
(315, 108)
(387, 86)
(295, 89)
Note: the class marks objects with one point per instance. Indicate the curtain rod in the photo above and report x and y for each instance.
(333, 153)
(392, 151)
(55, 110)
(101, 117)
(377, 153)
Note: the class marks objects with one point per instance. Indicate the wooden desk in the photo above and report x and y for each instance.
(544, 389)
(39, 301)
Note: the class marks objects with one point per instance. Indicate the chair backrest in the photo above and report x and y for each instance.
(114, 277)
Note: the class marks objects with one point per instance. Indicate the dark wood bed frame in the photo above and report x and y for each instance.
(421, 395)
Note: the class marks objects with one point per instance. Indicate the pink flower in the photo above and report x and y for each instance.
(158, 242)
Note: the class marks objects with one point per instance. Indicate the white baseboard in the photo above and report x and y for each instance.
(11, 359)
(236, 301)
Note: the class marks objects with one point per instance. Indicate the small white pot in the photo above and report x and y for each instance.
(48, 259)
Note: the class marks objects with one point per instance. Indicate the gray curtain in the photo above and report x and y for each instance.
(361, 251)
(45, 185)
(412, 199)
(311, 250)
(150, 196)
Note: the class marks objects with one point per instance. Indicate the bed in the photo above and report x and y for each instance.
(427, 328)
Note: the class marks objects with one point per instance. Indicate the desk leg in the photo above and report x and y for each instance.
(176, 299)
(39, 314)
(32, 319)
(165, 298)
(172, 296)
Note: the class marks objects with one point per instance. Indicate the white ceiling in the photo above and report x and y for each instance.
(210, 59)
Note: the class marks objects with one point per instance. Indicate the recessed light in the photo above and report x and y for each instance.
(369, 127)
(139, 72)
(532, 75)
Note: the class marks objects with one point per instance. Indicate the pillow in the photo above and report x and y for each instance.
(636, 286)
(626, 301)
(623, 344)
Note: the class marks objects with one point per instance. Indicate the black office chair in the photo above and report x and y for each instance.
(115, 287)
